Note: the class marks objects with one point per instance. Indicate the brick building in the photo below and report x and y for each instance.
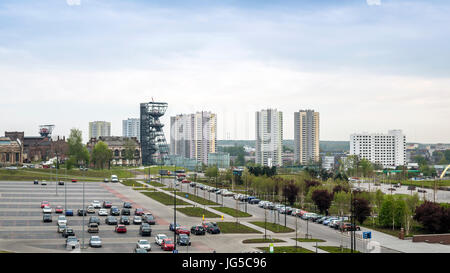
(118, 145)
(11, 152)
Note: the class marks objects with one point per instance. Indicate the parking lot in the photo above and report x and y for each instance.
(23, 230)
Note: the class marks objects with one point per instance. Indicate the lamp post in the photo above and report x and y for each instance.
(84, 208)
(175, 211)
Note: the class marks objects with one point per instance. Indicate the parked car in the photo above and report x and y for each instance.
(124, 220)
(183, 230)
(96, 204)
(111, 220)
(36, 182)
(68, 232)
(327, 221)
(140, 250)
(167, 245)
(44, 204)
(62, 220)
(183, 240)
(47, 209)
(81, 212)
(59, 209)
(145, 230)
(212, 228)
(74, 180)
(139, 211)
(411, 188)
(61, 228)
(121, 228)
(159, 238)
(421, 191)
(106, 180)
(102, 212)
(47, 218)
(93, 228)
(144, 244)
(95, 241)
(125, 211)
(114, 211)
(149, 219)
(90, 209)
(172, 226)
(127, 205)
(72, 242)
(254, 201)
(107, 204)
(69, 212)
(44, 183)
(198, 230)
(94, 219)
(344, 226)
(137, 220)
(61, 183)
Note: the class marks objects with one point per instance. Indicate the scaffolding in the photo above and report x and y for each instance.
(153, 142)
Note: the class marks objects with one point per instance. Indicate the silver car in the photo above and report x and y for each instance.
(95, 241)
(137, 220)
(72, 243)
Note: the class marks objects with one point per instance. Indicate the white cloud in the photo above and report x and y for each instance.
(373, 2)
(73, 2)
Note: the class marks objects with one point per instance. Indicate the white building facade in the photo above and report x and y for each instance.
(269, 137)
(99, 129)
(131, 128)
(193, 135)
(306, 137)
(389, 149)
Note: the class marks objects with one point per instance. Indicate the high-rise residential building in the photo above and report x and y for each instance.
(306, 137)
(131, 128)
(389, 149)
(193, 135)
(269, 137)
(99, 128)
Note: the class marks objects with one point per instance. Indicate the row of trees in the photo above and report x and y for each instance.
(100, 156)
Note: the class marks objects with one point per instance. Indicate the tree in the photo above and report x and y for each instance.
(290, 191)
(433, 217)
(211, 172)
(77, 150)
(366, 167)
(411, 204)
(392, 212)
(101, 155)
(130, 147)
(311, 183)
(341, 202)
(322, 199)
(361, 209)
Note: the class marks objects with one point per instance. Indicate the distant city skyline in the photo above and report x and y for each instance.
(366, 66)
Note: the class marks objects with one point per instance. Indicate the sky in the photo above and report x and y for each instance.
(364, 65)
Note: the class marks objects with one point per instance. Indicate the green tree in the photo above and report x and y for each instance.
(130, 147)
(211, 172)
(342, 202)
(76, 148)
(366, 167)
(101, 155)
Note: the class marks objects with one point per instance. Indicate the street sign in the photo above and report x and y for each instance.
(367, 235)
(271, 248)
(187, 195)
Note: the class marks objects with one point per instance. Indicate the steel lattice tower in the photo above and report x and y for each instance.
(153, 141)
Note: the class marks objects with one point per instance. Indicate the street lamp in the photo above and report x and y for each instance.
(175, 211)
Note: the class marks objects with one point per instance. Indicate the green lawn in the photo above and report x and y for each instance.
(262, 240)
(28, 175)
(155, 184)
(309, 240)
(164, 198)
(273, 227)
(140, 189)
(232, 212)
(196, 199)
(197, 212)
(233, 227)
(337, 249)
(286, 249)
(131, 183)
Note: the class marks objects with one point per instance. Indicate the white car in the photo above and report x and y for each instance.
(90, 209)
(62, 220)
(44, 183)
(61, 227)
(159, 238)
(137, 220)
(144, 244)
(47, 209)
(96, 204)
(103, 212)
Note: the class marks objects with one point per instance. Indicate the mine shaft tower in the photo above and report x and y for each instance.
(153, 142)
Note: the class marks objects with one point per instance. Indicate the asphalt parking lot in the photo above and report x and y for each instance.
(22, 228)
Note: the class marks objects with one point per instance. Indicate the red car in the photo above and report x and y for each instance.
(59, 209)
(107, 204)
(167, 244)
(185, 181)
(139, 211)
(44, 204)
(183, 230)
(74, 180)
(121, 229)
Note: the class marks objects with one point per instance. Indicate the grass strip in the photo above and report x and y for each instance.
(337, 249)
(232, 212)
(195, 198)
(309, 240)
(234, 227)
(273, 227)
(197, 212)
(164, 198)
(286, 249)
(262, 240)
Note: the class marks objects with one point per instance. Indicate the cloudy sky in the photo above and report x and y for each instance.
(365, 65)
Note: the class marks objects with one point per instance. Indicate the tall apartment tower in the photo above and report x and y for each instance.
(193, 135)
(99, 128)
(388, 149)
(131, 128)
(306, 137)
(269, 137)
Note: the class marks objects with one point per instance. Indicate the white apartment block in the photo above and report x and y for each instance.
(388, 149)
(99, 128)
(306, 137)
(193, 135)
(269, 137)
(132, 128)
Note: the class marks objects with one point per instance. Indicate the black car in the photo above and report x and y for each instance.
(127, 205)
(68, 232)
(255, 201)
(192, 184)
(145, 230)
(81, 212)
(126, 211)
(61, 182)
(411, 188)
(94, 219)
(111, 220)
(47, 218)
(36, 182)
(198, 230)
(213, 229)
(114, 211)
(172, 226)
(149, 219)
(183, 240)
(125, 220)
